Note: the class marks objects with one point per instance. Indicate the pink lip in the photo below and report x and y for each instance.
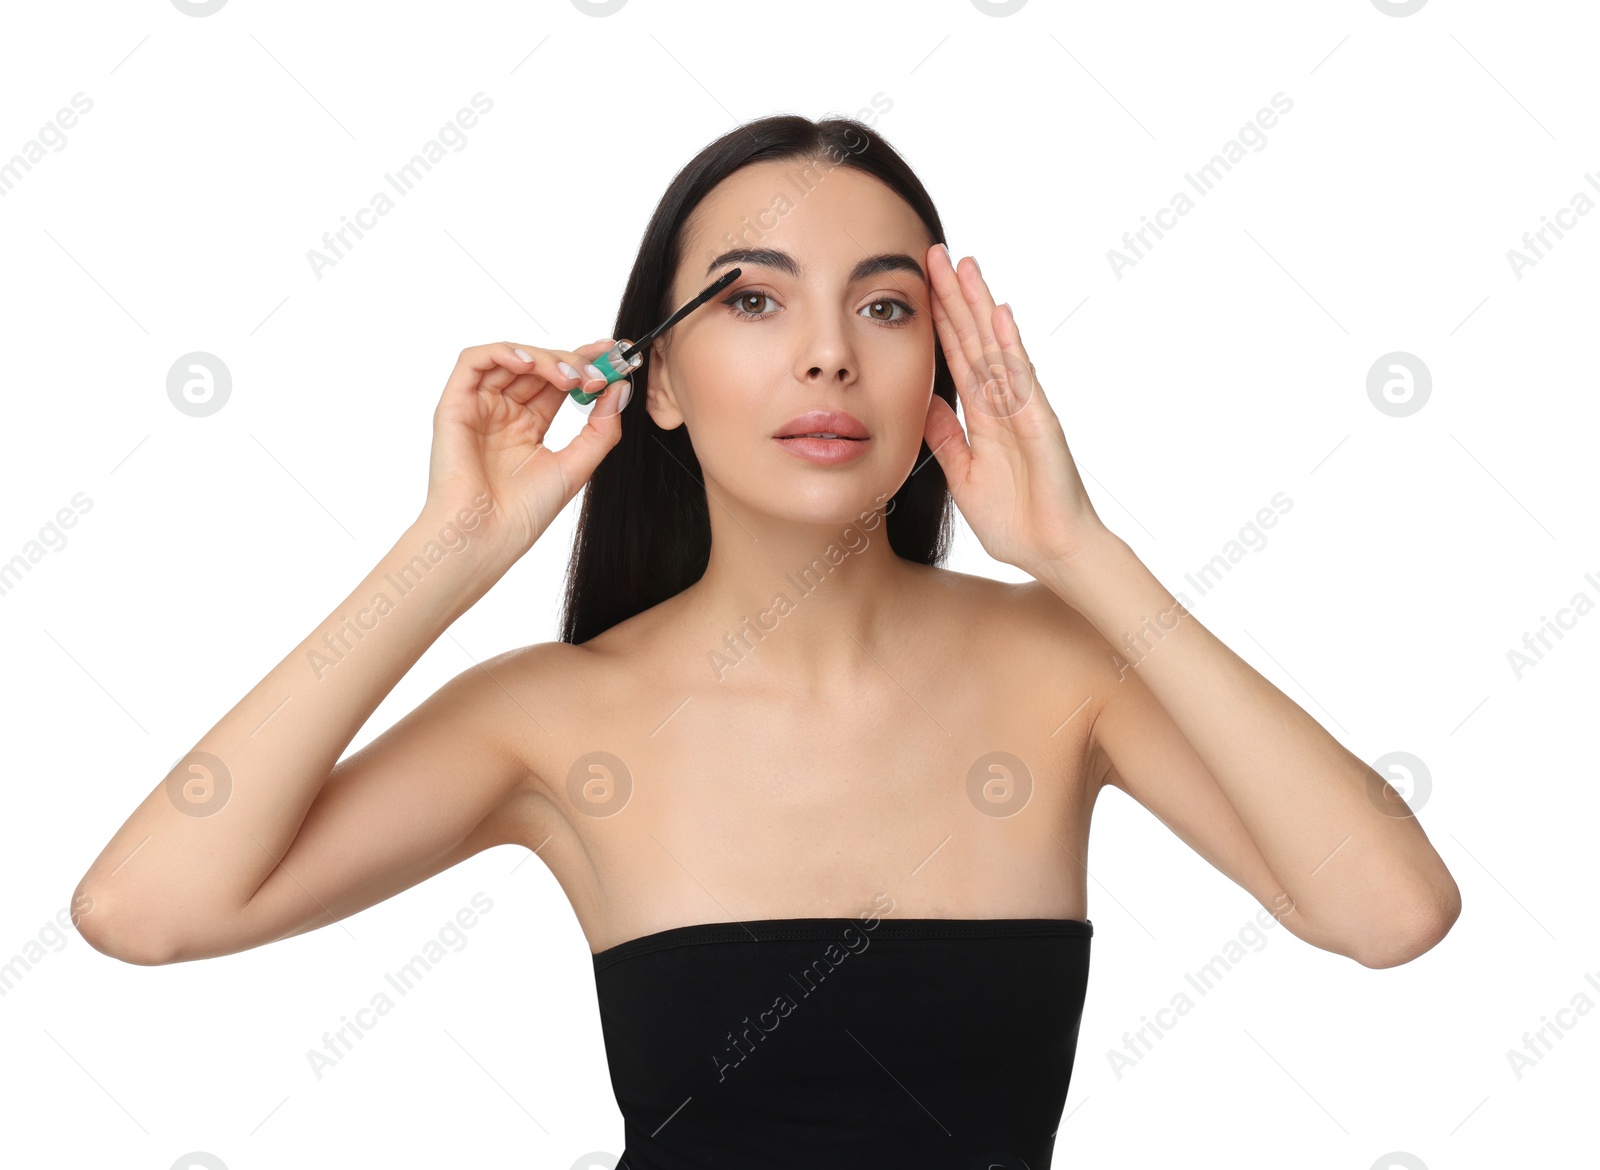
(826, 451)
(833, 422)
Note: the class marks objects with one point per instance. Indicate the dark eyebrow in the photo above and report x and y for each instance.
(783, 262)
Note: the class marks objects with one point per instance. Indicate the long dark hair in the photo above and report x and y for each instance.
(644, 531)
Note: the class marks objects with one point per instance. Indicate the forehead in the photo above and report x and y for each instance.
(827, 216)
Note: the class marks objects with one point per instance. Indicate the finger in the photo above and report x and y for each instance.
(599, 435)
(537, 369)
(1010, 337)
(582, 359)
(980, 303)
(967, 381)
(942, 432)
(957, 315)
(550, 367)
(490, 366)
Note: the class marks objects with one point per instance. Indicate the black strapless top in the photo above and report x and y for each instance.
(811, 1042)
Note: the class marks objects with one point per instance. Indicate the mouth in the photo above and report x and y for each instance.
(823, 448)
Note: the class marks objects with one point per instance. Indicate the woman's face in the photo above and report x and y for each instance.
(806, 326)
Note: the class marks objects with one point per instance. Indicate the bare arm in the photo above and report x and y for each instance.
(255, 835)
(1250, 780)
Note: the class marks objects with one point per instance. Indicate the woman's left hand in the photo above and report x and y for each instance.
(1011, 474)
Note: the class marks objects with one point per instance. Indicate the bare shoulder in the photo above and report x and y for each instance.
(555, 695)
(1072, 668)
(1026, 613)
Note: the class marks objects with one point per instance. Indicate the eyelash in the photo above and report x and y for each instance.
(733, 306)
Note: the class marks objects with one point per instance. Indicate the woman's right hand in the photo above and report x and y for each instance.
(488, 453)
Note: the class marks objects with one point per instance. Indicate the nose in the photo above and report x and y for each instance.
(827, 355)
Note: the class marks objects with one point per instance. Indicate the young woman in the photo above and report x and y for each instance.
(772, 718)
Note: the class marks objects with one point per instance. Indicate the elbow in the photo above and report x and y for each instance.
(114, 935)
(1430, 919)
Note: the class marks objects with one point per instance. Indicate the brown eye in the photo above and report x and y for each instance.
(890, 304)
(738, 301)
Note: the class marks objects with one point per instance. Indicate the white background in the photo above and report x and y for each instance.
(1227, 365)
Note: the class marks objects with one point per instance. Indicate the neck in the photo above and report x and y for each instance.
(810, 608)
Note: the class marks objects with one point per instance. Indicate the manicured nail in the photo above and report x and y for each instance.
(524, 356)
(594, 372)
(568, 370)
(626, 393)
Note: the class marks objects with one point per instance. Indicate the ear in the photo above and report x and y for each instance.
(659, 398)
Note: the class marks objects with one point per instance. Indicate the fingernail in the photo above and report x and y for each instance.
(567, 370)
(946, 252)
(524, 356)
(626, 393)
(594, 372)
(978, 266)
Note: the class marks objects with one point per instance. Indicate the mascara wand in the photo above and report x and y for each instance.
(621, 360)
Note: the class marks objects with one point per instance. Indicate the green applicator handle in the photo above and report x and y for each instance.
(613, 366)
